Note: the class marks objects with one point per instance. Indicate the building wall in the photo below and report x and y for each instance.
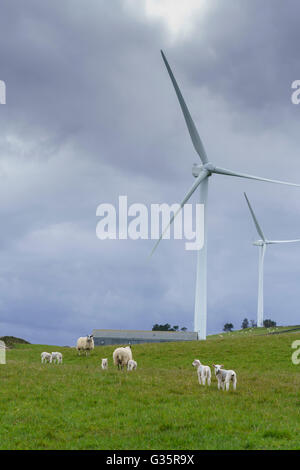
(119, 337)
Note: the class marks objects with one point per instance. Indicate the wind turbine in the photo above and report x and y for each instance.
(202, 172)
(262, 244)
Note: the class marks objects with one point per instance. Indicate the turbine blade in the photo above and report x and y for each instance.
(223, 171)
(188, 119)
(199, 179)
(283, 241)
(259, 230)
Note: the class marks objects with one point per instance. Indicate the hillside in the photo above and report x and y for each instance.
(76, 405)
(10, 341)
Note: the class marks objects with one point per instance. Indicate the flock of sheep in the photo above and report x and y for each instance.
(122, 357)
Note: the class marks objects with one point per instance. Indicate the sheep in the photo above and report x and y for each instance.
(85, 343)
(224, 377)
(203, 372)
(121, 356)
(46, 357)
(131, 365)
(104, 364)
(57, 357)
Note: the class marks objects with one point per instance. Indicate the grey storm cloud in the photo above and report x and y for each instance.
(91, 115)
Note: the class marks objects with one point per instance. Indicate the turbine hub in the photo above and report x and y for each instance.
(259, 243)
(209, 167)
(198, 167)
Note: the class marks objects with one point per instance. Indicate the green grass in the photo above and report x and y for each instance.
(76, 405)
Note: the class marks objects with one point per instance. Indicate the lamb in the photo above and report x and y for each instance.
(131, 365)
(203, 372)
(85, 343)
(224, 377)
(46, 357)
(104, 364)
(56, 357)
(121, 356)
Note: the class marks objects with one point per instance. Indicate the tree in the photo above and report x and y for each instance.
(253, 324)
(167, 327)
(269, 323)
(245, 323)
(228, 327)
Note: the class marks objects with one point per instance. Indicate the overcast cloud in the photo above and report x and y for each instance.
(91, 114)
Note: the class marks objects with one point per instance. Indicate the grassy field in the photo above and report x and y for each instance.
(76, 405)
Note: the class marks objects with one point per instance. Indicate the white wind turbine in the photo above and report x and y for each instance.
(202, 172)
(262, 244)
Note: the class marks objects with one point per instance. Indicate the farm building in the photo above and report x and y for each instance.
(107, 337)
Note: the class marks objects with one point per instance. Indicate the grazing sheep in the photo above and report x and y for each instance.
(203, 372)
(224, 377)
(131, 365)
(85, 343)
(104, 364)
(121, 356)
(46, 357)
(57, 357)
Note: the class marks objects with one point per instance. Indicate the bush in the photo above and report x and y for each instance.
(228, 327)
(269, 323)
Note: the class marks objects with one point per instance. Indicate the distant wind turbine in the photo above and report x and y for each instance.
(262, 244)
(202, 172)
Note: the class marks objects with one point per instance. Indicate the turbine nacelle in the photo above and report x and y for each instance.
(198, 167)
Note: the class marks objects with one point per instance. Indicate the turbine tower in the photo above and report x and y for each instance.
(262, 244)
(202, 172)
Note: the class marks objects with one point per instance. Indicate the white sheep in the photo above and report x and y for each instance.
(131, 365)
(121, 356)
(203, 372)
(104, 363)
(57, 357)
(46, 357)
(85, 343)
(224, 377)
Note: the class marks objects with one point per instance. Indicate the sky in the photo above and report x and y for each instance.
(91, 114)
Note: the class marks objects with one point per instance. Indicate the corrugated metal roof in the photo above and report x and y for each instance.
(143, 334)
